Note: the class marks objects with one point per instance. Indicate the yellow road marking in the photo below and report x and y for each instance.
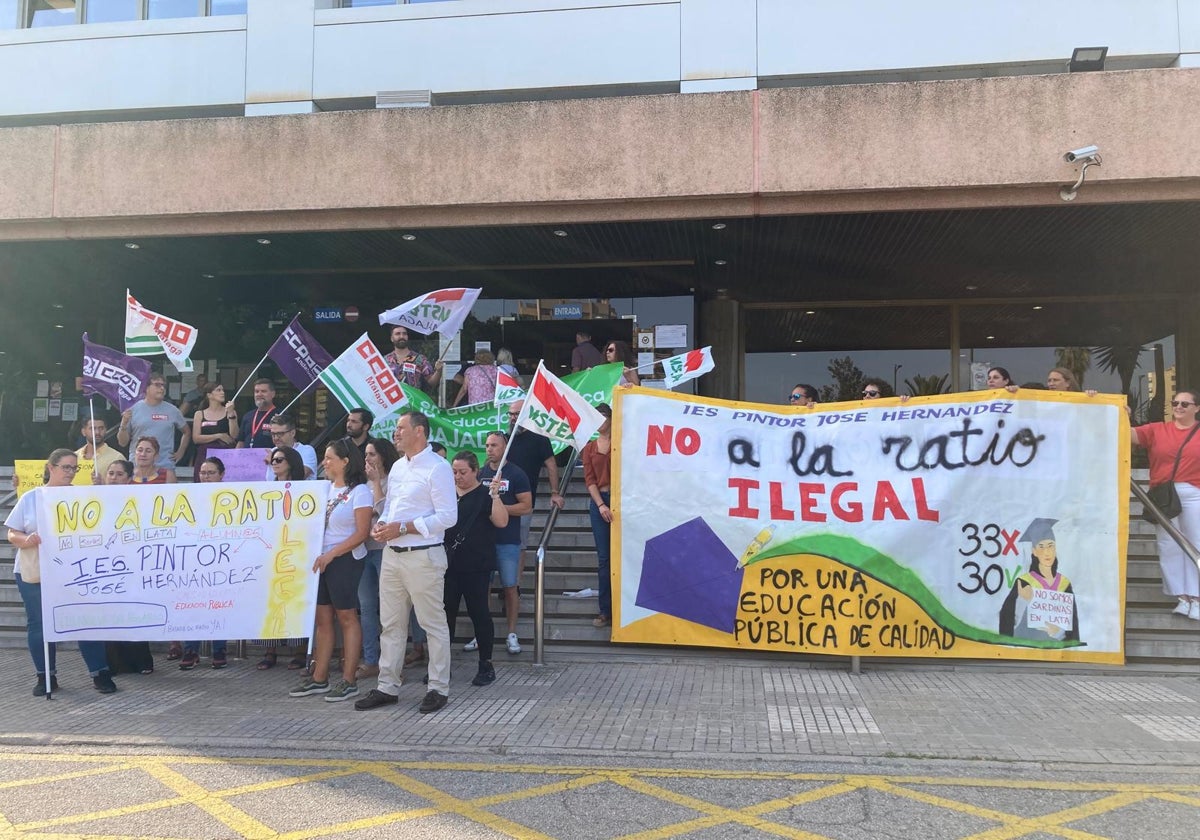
(638, 780)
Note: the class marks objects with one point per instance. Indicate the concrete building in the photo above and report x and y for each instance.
(784, 178)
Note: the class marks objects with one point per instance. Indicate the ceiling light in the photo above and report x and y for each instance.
(1037, 307)
(719, 226)
(799, 340)
(561, 233)
(263, 241)
(408, 237)
(58, 306)
(991, 338)
(132, 246)
(1087, 59)
(58, 364)
(720, 262)
(810, 312)
(972, 288)
(208, 276)
(58, 326)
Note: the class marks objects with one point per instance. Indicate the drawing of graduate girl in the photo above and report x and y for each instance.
(1030, 611)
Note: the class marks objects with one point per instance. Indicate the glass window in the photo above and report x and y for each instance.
(51, 13)
(8, 14)
(358, 4)
(173, 9)
(104, 11)
(228, 7)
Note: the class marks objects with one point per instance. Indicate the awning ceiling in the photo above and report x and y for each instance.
(1118, 268)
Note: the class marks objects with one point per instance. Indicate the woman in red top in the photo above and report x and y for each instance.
(1162, 442)
(597, 458)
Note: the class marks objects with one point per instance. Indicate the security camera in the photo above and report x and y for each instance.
(1081, 154)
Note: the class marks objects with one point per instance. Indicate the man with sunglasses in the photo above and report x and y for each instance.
(283, 433)
(803, 395)
(873, 389)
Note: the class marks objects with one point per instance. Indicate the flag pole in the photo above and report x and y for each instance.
(95, 451)
(517, 423)
(298, 396)
(256, 367)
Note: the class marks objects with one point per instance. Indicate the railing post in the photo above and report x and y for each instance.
(539, 593)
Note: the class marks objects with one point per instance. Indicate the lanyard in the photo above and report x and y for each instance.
(256, 425)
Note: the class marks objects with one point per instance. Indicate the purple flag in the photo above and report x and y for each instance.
(299, 355)
(118, 378)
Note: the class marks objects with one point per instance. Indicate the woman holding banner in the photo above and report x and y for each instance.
(215, 425)
(347, 525)
(286, 465)
(1174, 450)
(597, 461)
(22, 526)
(620, 351)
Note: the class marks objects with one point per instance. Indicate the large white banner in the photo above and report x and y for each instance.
(181, 562)
(968, 525)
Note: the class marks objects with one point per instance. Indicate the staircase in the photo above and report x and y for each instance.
(1153, 636)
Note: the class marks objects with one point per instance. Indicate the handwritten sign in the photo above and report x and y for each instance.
(249, 464)
(181, 561)
(881, 528)
(30, 474)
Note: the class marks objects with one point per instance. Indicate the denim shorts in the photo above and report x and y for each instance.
(508, 560)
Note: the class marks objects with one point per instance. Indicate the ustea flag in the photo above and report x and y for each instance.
(555, 410)
(148, 333)
(442, 311)
(360, 378)
(508, 389)
(299, 356)
(118, 378)
(687, 366)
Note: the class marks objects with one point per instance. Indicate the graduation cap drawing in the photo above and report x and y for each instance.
(1038, 530)
(688, 573)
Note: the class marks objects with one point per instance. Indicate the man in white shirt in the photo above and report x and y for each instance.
(283, 433)
(421, 505)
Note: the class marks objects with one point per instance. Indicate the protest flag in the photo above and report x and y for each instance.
(299, 356)
(118, 378)
(360, 378)
(508, 389)
(553, 409)
(442, 311)
(689, 365)
(147, 333)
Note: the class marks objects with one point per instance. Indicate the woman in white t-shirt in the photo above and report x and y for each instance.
(347, 525)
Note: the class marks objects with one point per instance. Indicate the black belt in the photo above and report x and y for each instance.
(400, 549)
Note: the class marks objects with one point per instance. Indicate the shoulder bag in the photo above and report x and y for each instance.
(1164, 495)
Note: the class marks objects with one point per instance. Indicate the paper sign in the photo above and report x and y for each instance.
(645, 339)
(181, 561)
(644, 363)
(43, 387)
(1047, 607)
(670, 336)
(54, 408)
(248, 464)
(70, 411)
(31, 473)
(41, 410)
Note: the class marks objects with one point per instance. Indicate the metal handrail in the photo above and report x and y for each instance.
(1167, 525)
(539, 589)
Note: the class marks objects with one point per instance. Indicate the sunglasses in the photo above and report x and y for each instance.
(1181, 404)
(870, 393)
(794, 397)
(279, 460)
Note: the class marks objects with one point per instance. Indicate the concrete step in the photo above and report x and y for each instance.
(1161, 620)
(1168, 648)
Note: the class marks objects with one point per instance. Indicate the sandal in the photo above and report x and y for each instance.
(267, 662)
(298, 663)
(175, 651)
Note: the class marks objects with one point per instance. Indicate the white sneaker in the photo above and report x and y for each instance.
(1182, 607)
(514, 644)
(471, 645)
(1193, 612)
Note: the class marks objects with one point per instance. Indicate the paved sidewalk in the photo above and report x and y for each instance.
(678, 705)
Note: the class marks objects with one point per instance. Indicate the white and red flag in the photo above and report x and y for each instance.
(442, 311)
(554, 409)
(689, 365)
(148, 333)
(508, 389)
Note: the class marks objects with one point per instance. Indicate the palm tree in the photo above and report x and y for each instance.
(1121, 359)
(1075, 359)
(923, 386)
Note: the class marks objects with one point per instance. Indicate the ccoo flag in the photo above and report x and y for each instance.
(147, 334)
(687, 366)
(508, 389)
(299, 356)
(118, 378)
(442, 311)
(360, 378)
(555, 410)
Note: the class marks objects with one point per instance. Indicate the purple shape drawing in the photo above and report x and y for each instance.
(688, 573)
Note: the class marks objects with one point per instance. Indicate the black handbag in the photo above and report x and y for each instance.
(1164, 496)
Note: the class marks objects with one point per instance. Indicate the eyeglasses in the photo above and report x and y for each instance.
(70, 468)
(1181, 404)
(870, 393)
(284, 433)
(279, 460)
(513, 415)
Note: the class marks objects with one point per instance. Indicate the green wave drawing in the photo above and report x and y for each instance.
(850, 552)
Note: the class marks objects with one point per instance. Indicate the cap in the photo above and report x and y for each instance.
(1038, 530)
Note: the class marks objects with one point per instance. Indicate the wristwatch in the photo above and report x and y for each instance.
(403, 529)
